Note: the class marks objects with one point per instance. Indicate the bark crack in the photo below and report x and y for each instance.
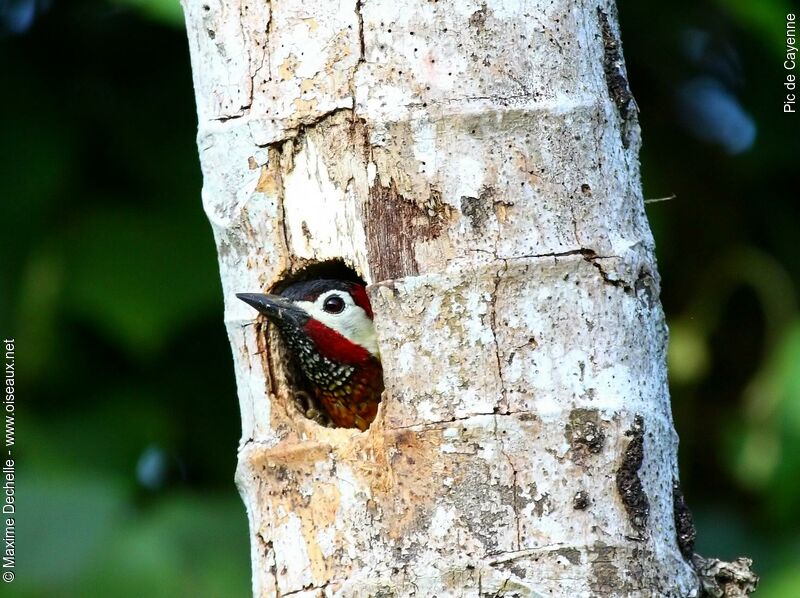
(227, 117)
(510, 555)
(255, 73)
(569, 252)
(514, 487)
(268, 31)
(448, 101)
(255, 442)
(246, 107)
(503, 403)
(273, 562)
(591, 256)
(574, 224)
(303, 125)
(430, 425)
(362, 53)
(275, 154)
(362, 57)
(267, 356)
(306, 588)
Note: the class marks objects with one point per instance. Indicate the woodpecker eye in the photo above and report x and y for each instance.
(333, 304)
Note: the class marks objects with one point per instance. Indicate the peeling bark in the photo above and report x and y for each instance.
(726, 580)
(476, 163)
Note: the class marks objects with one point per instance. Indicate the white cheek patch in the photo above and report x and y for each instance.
(353, 323)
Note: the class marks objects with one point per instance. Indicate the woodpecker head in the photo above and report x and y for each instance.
(327, 325)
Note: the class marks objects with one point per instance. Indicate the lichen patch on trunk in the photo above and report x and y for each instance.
(629, 484)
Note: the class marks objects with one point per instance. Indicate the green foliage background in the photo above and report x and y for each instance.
(127, 416)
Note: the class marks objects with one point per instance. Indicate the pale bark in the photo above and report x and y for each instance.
(478, 164)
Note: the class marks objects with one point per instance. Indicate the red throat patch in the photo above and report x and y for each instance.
(334, 346)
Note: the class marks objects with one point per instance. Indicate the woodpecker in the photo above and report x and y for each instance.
(328, 329)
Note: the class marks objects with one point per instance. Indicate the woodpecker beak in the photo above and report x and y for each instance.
(276, 308)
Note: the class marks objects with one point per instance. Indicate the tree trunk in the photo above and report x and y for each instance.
(476, 162)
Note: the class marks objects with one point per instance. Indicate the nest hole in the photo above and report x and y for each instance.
(289, 384)
(333, 269)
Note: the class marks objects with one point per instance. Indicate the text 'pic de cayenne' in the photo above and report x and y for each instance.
(327, 326)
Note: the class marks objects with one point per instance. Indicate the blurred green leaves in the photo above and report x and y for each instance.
(688, 352)
(74, 521)
(140, 276)
(765, 444)
(168, 12)
(761, 437)
(137, 277)
(766, 18)
(88, 540)
(110, 286)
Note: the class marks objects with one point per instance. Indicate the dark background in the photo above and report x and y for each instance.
(127, 417)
